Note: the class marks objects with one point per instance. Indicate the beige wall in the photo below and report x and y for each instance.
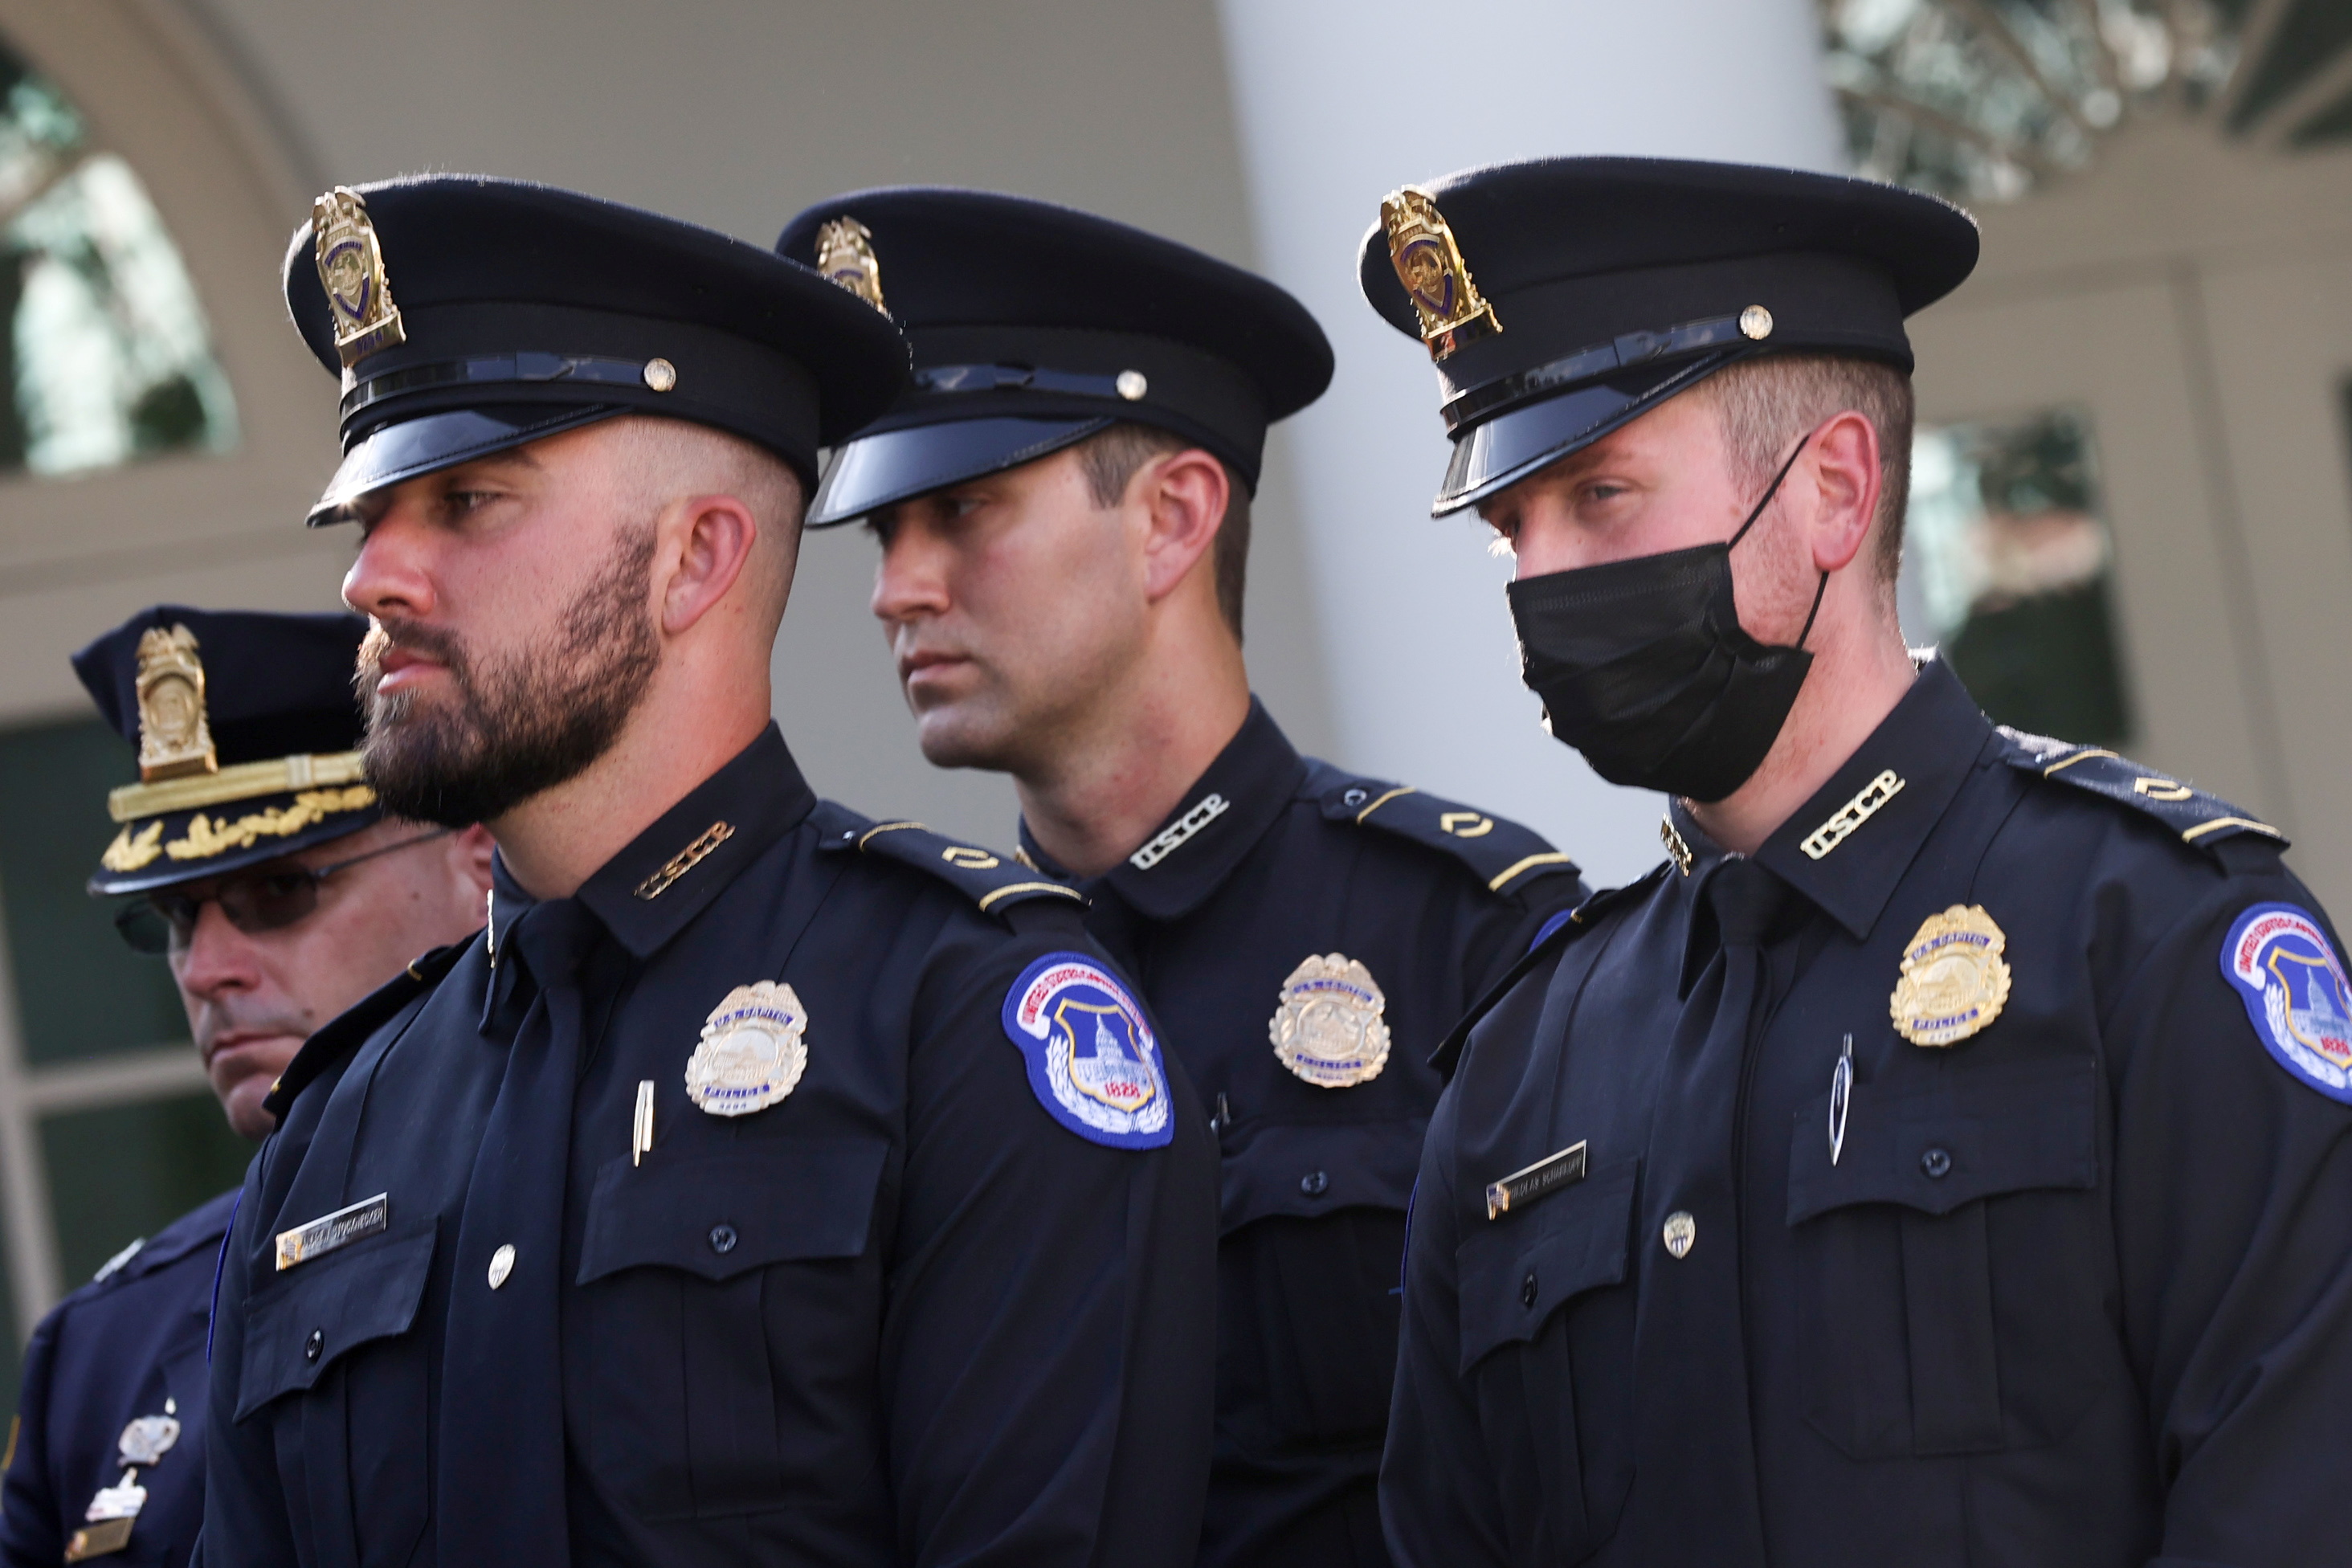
(733, 115)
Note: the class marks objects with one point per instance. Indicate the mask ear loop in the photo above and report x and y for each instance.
(1823, 587)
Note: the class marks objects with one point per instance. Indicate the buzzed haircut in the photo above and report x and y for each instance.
(1765, 404)
(1110, 459)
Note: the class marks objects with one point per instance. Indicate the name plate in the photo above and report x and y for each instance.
(1549, 1174)
(369, 1216)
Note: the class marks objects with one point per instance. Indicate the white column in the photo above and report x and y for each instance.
(1339, 102)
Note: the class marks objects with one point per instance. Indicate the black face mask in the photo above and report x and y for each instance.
(1643, 667)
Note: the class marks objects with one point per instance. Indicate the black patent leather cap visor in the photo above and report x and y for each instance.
(892, 465)
(436, 441)
(1507, 448)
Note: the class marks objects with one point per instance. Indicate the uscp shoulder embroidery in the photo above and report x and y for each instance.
(753, 1052)
(1954, 982)
(1093, 1063)
(2287, 974)
(1328, 1028)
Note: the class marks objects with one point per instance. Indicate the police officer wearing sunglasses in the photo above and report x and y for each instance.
(254, 860)
(1944, 1155)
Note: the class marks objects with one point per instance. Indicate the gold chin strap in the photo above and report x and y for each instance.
(245, 781)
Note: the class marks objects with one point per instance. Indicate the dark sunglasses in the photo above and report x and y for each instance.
(268, 900)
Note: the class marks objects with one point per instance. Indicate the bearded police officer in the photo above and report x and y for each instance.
(768, 1183)
(255, 861)
(1063, 505)
(1944, 1157)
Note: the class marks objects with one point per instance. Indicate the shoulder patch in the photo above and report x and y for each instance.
(1092, 1062)
(2284, 969)
(993, 881)
(345, 1032)
(2201, 819)
(1507, 858)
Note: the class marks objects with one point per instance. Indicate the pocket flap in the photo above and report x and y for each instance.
(1318, 1168)
(1967, 1132)
(305, 1320)
(720, 1214)
(1516, 1270)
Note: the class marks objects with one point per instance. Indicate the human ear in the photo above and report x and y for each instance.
(715, 538)
(1843, 464)
(1186, 493)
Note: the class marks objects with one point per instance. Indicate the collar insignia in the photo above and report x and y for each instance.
(1429, 264)
(351, 270)
(1852, 815)
(845, 254)
(1328, 1028)
(1676, 849)
(752, 1053)
(1954, 982)
(1174, 836)
(174, 739)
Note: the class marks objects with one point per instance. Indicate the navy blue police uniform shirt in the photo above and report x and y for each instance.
(909, 1313)
(129, 1343)
(1271, 861)
(2067, 1284)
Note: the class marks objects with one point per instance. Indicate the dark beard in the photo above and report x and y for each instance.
(520, 727)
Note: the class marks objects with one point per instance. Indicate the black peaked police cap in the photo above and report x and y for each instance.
(467, 315)
(1033, 326)
(1562, 297)
(245, 727)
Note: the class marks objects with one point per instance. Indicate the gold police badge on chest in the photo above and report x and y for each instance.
(1954, 982)
(752, 1053)
(1328, 1030)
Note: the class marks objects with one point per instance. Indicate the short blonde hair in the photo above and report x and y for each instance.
(1764, 405)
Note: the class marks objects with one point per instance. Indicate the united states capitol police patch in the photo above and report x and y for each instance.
(2287, 974)
(1092, 1061)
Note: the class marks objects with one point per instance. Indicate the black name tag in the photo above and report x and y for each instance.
(369, 1216)
(1549, 1174)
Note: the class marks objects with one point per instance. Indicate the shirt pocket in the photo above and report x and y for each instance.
(1547, 1335)
(335, 1329)
(729, 1298)
(1313, 1223)
(1949, 1261)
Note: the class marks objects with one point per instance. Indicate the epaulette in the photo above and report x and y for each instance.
(2203, 820)
(1505, 855)
(349, 1028)
(995, 882)
(1557, 934)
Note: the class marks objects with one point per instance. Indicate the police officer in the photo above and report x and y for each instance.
(1944, 1156)
(767, 1184)
(1063, 506)
(254, 858)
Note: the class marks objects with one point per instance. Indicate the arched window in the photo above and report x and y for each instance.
(105, 355)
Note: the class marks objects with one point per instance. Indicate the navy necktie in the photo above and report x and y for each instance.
(501, 1464)
(1696, 1444)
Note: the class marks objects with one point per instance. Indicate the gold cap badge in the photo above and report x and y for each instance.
(845, 253)
(1954, 982)
(1328, 1028)
(1429, 265)
(174, 739)
(351, 270)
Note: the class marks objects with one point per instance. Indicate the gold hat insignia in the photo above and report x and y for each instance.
(351, 270)
(1954, 982)
(175, 740)
(1328, 1028)
(845, 254)
(1429, 264)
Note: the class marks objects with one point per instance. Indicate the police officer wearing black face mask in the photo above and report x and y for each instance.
(1062, 502)
(766, 1182)
(1944, 1156)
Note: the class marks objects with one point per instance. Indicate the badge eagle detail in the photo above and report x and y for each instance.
(1429, 264)
(751, 1054)
(844, 254)
(175, 740)
(1954, 982)
(351, 270)
(1330, 1028)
